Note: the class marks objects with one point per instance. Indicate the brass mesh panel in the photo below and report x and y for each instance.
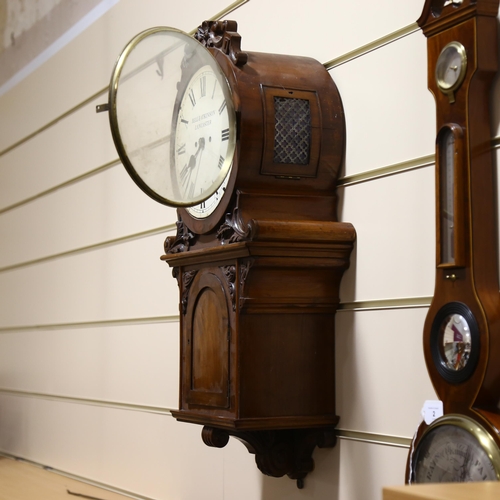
(292, 132)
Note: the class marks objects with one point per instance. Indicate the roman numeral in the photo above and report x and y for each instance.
(203, 86)
(221, 161)
(181, 150)
(191, 96)
(225, 134)
(222, 107)
(191, 190)
(184, 121)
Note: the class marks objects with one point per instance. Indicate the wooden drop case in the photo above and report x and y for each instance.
(259, 278)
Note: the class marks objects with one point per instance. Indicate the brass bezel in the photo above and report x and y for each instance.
(115, 130)
(442, 85)
(474, 428)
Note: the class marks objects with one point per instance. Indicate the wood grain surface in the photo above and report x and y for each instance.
(22, 481)
(450, 491)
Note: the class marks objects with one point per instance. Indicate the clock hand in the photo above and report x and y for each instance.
(201, 148)
(187, 171)
(201, 145)
(188, 168)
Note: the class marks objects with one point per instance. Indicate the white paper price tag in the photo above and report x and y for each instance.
(431, 411)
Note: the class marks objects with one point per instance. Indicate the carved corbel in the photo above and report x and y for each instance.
(277, 452)
(234, 230)
(181, 241)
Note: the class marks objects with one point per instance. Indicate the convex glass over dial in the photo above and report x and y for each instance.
(455, 449)
(172, 117)
(451, 68)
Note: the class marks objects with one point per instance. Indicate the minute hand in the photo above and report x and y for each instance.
(201, 148)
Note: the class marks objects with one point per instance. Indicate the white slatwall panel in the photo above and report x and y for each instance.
(103, 208)
(129, 364)
(63, 367)
(394, 221)
(83, 67)
(381, 374)
(325, 29)
(75, 145)
(397, 120)
(117, 282)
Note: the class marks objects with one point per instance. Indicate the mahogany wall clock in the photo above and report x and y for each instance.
(248, 146)
(462, 328)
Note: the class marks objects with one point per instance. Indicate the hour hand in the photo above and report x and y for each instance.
(188, 168)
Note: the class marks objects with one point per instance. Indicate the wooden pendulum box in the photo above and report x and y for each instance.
(259, 277)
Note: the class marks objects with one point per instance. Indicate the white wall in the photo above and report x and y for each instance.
(88, 313)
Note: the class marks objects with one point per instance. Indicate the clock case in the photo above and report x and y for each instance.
(468, 286)
(259, 278)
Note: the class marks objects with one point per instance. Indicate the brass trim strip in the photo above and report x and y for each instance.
(370, 47)
(64, 184)
(91, 324)
(348, 180)
(396, 168)
(91, 482)
(372, 438)
(87, 401)
(365, 437)
(381, 304)
(54, 121)
(89, 248)
(366, 305)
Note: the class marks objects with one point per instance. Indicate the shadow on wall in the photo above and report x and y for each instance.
(11, 422)
(320, 484)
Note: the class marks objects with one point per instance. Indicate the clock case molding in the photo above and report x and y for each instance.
(259, 278)
(469, 286)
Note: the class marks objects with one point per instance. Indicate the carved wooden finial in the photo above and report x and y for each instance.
(222, 35)
(438, 15)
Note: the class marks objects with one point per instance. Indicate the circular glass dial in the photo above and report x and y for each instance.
(172, 117)
(451, 67)
(455, 449)
(202, 140)
(456, 342)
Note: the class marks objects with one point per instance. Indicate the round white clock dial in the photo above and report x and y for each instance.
(202, 147)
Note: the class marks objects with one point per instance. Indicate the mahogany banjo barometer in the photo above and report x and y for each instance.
(462, 328)
(248, 146)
